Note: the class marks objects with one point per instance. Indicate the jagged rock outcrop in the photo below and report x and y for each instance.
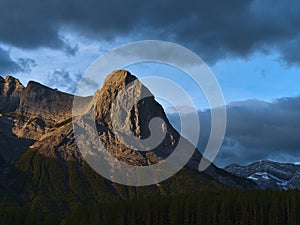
(10, 92)
(44, 102)
(28, 113)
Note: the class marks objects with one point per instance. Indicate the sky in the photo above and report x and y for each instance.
(252, 48)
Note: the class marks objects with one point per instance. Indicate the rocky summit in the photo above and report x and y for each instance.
(10, 93)
(41, 159)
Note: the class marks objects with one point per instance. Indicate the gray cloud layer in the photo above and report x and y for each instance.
(257, 130)
(215, 29)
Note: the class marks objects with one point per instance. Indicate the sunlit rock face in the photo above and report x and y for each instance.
(10, 92)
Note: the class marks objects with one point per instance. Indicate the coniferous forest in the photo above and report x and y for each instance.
(230, 207)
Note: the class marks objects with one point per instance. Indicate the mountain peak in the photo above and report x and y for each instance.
(117, 81)
(12, 84)
(10, 91)
(10, 77)
(122, 84)
(118, 77)
(12, 80)
(124, 102)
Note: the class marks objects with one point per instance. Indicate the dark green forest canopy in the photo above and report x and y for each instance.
(207, 207)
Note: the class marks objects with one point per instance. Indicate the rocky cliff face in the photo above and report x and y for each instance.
(40, 101)
(10, 92)
(27, 113)
(12, 146)
(114, 111)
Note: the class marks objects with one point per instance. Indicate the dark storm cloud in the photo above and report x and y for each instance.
(215, 29)
(34, 23)
(290, 52)
(7, 65)
(256, 130)
(274, 126)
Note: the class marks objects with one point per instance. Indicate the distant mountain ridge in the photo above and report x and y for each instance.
(269, 175)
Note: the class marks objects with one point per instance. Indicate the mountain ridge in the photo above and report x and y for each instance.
(269, 174)
(51, 162)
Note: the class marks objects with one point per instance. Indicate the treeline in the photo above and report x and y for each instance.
(205, 208)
